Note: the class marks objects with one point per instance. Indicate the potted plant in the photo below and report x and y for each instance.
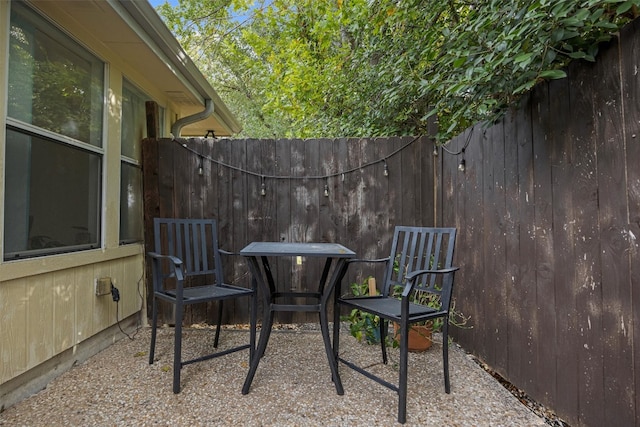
(421, 333)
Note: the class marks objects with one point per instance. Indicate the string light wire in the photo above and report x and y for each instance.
(466, 144)
(291, 177)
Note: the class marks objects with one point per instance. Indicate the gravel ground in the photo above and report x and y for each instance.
(292, 387)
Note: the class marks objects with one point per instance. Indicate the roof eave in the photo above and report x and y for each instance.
(152, 25)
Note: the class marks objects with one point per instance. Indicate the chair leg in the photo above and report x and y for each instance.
(404, 361)
(384, 326)
(177, 349)
(154, 322)
(445, 355)
(218, 323)
(252, 326)
(336, 332)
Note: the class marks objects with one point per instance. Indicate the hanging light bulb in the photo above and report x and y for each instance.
(200, 167)
(326, 190)
(435, 150)
(263, 188)
(462, 166)
(386, 168)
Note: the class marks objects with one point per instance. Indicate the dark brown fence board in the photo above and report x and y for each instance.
(472, 227)
(197, 187)
(513, 321)
(338, 199)
(425, 203)
(304, 196)
(151, 199)
(407, 209)
(281, 192)
(351, 189)
(616, 295)
(587, 248)
(457, 212)
(184, 181)
(393, 203)
(447, 191)
(451, 200)
(369, 180)
(210, 182)
(225, 195)
(545, 265)
(561, 158)
(377, 246)
(165, 179)
(525, 284)
(630, 48)
(225, 210)
(490, 265)
(166, 186)
(299, 228)
(328, 224)
(497, 235)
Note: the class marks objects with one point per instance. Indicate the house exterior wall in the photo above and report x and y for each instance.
(44, 314)
(48, 304)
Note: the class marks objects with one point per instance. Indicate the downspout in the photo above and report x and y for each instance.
(180, 123)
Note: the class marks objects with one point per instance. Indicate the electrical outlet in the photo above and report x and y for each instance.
(103, 286)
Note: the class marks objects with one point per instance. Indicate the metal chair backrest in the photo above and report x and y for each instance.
(419, 248)
(194, 241)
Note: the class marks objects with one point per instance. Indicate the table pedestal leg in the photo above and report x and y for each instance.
(324, 326)
(262, 345)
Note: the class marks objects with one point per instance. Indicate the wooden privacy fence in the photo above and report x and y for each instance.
(549, 216)
(290, 190)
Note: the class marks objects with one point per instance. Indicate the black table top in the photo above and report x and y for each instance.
(333, 250)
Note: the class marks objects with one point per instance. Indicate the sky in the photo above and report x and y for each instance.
(156, 3)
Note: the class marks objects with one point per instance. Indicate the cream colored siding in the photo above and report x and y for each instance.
(14, 340)
(46, 314)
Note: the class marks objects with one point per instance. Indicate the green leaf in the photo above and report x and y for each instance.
(578, 55)
(624, 7)
(582, 14)
(552, 74)
(525, 87)
(523, 57)
(459, 62)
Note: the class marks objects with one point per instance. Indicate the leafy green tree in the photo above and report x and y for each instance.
(382, 67)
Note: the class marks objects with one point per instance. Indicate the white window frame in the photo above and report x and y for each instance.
(20, 126)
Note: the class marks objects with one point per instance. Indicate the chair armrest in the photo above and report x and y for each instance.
(223, 252)
(175, 264)
(416, 273)
(174, 260)
(411, 278)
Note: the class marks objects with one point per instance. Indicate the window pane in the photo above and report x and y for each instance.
(52, 192)
(134, 120)
(131, 204)
(54, 83)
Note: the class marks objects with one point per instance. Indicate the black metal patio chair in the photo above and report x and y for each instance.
(417, 287)
(187, 269)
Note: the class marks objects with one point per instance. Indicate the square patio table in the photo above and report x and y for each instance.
(336, 255)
